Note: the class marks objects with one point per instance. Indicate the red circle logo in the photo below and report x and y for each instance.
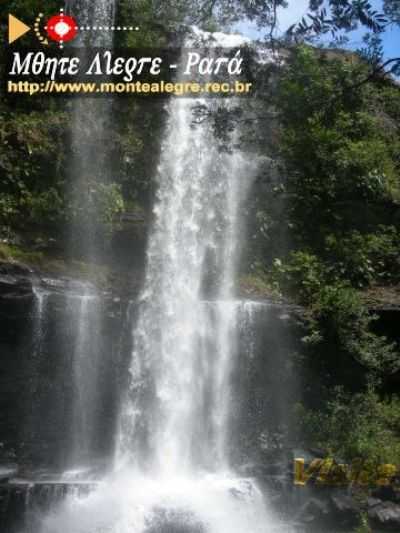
(62, 28)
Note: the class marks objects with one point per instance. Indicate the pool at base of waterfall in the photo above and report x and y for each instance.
(132, 503)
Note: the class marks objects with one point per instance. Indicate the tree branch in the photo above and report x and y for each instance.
(273, 22)
(375, 72)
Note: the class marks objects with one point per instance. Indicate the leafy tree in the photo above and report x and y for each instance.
(392, 10)
(356, 427)
(338, 16)
(343, 322)
(338, 146)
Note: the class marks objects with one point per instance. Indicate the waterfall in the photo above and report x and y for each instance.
(84, 315)
(39, 319)
(39, 316)
(89, 167)
(67, 324)
(175, 418)
(173, 470)
(90, 174)
(101, 12)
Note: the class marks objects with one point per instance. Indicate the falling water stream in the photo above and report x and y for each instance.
(178, 362)
(172, 470)
(89, 169)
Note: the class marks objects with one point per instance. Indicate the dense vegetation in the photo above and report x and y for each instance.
(338, 147)
(38, 199)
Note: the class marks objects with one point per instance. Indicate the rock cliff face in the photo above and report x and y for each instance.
(15, 282)
(58, 337)
(16, 303)
(46, 328)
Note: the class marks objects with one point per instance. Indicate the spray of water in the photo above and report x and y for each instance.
(84, 313)
(89, 171)
(175, 418)
(172, 468)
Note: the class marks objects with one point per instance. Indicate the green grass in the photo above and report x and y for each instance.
(13, 253)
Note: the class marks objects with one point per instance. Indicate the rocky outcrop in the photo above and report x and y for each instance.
(44, 325)
(385, 515)
(315, 508)
(15, 281)
(22, 502)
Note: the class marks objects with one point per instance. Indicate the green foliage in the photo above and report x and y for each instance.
(341, 149)
(356, 259)
(334, 145)
(392, 10)
(364, 258)
(344, 15)
(137, 143)
(31, 8)
(374, 423)
(341, 320)
(340, 17)
(8, 208)
(364, 526)
(31, 167)
(340, 144)
(301, 276)
(103, 204)
(257, 283)
(14, 253)
(53, 264)
(159, 17)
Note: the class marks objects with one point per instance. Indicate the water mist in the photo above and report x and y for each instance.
(172, 469)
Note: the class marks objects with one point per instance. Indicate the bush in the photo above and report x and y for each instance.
(301, 276)
(99, 206)
(361, 426)
(340, 148)
(340, 319)
(364, 526)
(364, 259)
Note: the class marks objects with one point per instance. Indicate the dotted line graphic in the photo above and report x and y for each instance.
(37, 29)
(79, 28)
(107, 28)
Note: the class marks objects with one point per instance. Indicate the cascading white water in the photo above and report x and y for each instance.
(39, 312)
(175, 419)
(131, 501)
(172, 470)
(81, 322)
(183, 425)
(84, 314)
(89, 170)
(38, 318)
(100, 12)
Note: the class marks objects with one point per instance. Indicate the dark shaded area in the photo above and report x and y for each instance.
(37, 378)
(265, 383)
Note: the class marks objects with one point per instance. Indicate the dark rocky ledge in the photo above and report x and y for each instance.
(15, 281)
(317, 508)
(311, 509)
(23, 501)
